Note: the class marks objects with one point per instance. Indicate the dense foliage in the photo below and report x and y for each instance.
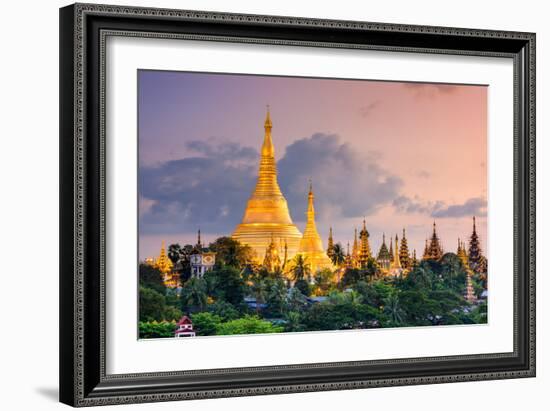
(240, 298)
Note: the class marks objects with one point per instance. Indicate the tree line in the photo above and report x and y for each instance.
(239, 297)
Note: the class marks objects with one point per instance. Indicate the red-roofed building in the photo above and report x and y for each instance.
(184, 328)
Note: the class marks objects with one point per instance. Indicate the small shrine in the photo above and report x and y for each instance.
(184, 328)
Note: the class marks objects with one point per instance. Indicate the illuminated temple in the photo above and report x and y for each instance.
(311, 245)
(267, 226)
(268, 229)
(266, 217)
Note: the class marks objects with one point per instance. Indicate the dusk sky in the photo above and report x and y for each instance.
(400, 155)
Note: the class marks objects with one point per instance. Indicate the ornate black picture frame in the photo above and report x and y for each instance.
(83, 30)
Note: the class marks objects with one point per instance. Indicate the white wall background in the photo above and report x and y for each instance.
(29, 204)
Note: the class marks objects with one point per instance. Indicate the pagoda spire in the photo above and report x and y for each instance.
(310, 214)
(475, 257)
(267, 211)
(364, 250)
(383, 257)
(347, 260)
(355, 249)
(199, 245)
(404, 256)
(267, 123)
(461, 253)
(330, 244)
(426, 254)
(396, 264)
(267, 176)
(391, 251)
(414, 261)
(435, 251)
(311, 245)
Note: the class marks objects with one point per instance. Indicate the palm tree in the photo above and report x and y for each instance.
(259, 290)
(193, 294)
(296, 300)
(339, 256)
(174, 253)
(353, 297)
(300, 269)
(393, 309)
(276, 296)
(422, 278)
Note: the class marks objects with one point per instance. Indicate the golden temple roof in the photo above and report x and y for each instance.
(266, 214)
(311, 245)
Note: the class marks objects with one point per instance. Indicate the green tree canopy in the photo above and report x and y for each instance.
(156, 329)
(193, 295)
(226, 311)
(205, 323)
(248, 325)
(230, 252)
(392, 308)
(152, 307)
(225, 283)
(151, 277)
(276, 300)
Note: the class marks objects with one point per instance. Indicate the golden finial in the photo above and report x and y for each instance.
(267, 147)
(267, 124)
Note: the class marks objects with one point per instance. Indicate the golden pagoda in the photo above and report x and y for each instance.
(396, 269)
(462, 255)
(348, 263)
(364, 248)
(383, 257)
(163, 263)
(355, 251)
(266, 215)
(435, 251)
(311, 245)
(426, 254)
(272, 261)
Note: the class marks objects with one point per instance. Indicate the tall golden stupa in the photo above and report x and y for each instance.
(311, 245)
(266, 216)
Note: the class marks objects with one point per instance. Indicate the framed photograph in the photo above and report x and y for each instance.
(262, 204)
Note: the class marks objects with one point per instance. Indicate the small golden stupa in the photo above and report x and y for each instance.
(311, 245)
(266, 216)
